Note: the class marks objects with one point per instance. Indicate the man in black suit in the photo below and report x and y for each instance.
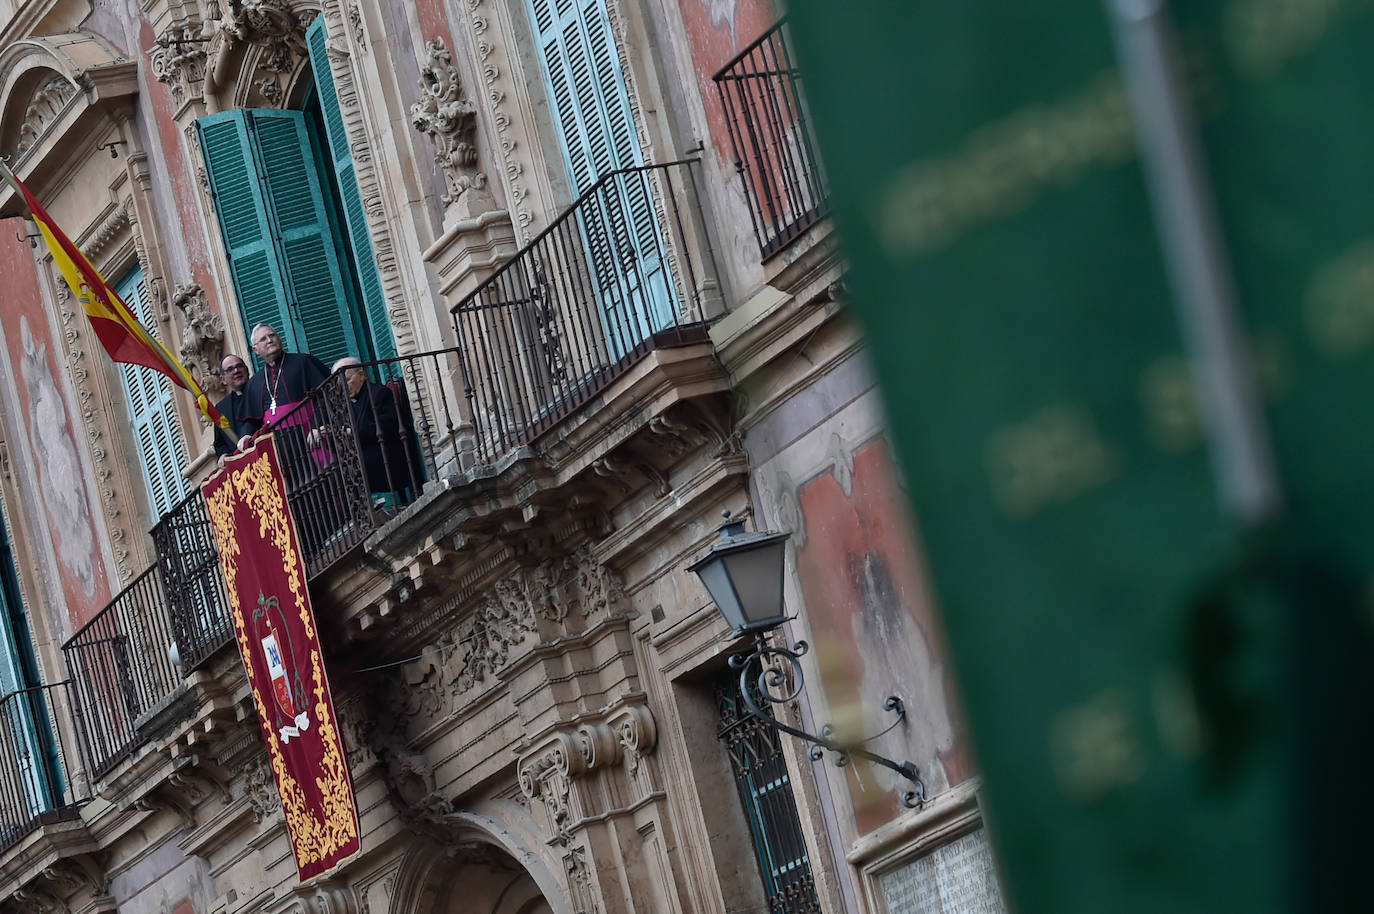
(243, 422)
(381, 435)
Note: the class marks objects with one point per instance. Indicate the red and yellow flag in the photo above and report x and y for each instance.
(123, 337)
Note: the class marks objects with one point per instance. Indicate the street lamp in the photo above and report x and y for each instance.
(743, 573)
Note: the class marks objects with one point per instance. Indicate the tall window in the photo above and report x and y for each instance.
(293, 224)
(30, 778)
(596, 131)
(161, 451)
(765, 791)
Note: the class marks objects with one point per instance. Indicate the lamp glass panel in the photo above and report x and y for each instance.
(757, 576)
(713, 575)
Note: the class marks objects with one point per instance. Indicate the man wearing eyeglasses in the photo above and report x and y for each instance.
(243, 420)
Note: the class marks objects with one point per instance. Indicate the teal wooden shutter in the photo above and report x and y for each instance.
(587, 88)
(591, 106)
(283, 259)
(346, 180)
(241, 210)
(160, 448)
(27, 748)
(314, 272)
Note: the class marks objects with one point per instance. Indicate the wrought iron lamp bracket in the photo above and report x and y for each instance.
(779, 666)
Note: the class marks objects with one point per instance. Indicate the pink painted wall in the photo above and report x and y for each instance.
(184, 189)
(53, 446)
(433, 22)
(874, 627)
(717, 30)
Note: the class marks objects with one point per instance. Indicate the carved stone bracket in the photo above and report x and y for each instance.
(57, 886)
(202, 337)
(258, 787)
(573, 586)
(178, 62)
(447, 116)
(615, 745)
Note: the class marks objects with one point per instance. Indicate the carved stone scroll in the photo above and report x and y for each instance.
(202, 337)
(446, 114)
(178, 62)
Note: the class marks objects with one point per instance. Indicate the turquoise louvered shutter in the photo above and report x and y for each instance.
(284, 261)
(28, 753)
(346, 180)
(241, 210)
(591, 106)
(156, 433)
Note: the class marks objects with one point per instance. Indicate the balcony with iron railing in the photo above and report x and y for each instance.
(774, 145)
(617, 275)
(36, 767)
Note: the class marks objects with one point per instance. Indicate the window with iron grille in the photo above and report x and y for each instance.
(765, 792)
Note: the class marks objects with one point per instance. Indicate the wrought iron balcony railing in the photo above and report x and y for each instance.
(121, 667)
(775, 149)
(614, 277)
(351, 463)
(188, 560)
(35, 767)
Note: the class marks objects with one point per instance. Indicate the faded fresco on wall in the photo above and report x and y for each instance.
(52, 445)
(718, 30)
(864, 602)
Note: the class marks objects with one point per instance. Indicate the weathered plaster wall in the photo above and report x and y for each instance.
(824, 472)
(61, 504)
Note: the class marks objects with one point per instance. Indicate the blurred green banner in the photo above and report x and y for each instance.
(1167, 700)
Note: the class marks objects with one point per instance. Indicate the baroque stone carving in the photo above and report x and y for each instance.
(448, 117)
(355, 20)
(202, 337)
(47, 103)
(516, 191)
(549, 772)
(580, 881)
(260, 790)
(121, 216)
(278, 29)
(178, 62)
(502, 621)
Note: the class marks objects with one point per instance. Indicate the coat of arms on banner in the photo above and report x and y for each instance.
(264, 574)
(291, 715)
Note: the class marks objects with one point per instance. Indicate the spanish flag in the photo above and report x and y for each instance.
(123, 337)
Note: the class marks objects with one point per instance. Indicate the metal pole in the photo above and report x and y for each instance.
(1196, 261)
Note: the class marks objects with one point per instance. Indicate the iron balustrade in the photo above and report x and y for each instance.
(36, 769)
(354, 453)
(121, 667)
(614, 277)
(351, 463)
(196, 599)
(774, 146)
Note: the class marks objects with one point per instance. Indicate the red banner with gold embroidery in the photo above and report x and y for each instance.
(264, 572)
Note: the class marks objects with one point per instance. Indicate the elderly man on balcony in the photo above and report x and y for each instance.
(382, 443)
